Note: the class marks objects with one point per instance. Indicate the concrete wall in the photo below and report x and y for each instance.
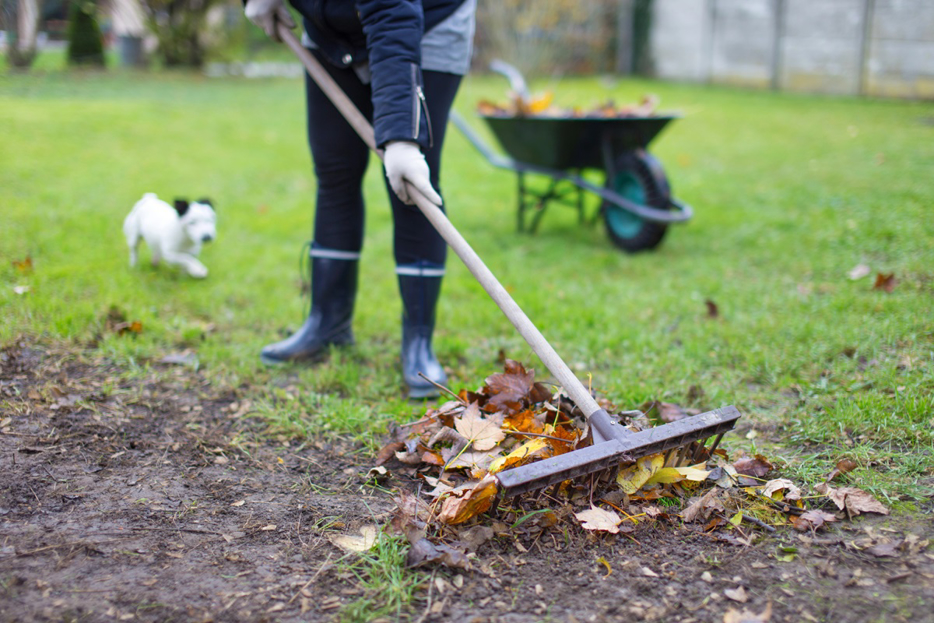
(871, 47)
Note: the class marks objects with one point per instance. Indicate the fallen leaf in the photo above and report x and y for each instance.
(736, 594)
(476, 536)
(812, 520)
(886, 549)
(854, 501)
(757, 467)
(635, 476)
(354, 543)
(859, 271)
(475, 462)
(482, 433)
(788, 489)
(423, 552)
(609, 569)
(702, 506)
(667, 411)
(747, 616)
(885, 282)
(24, 265)
(712, 310)
(468, 500)
(389, 451)
(599, 519)
(537, 447)
(511, 386)
(843, 466)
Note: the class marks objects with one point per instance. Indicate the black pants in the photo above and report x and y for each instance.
(340, 161)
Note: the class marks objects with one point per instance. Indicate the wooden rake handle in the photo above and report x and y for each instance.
(468, 256)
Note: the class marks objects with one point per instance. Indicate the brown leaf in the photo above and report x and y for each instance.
(667, 411)
(599, 519)
(468, 500)
(702, 506)
(843, 466)
(854, 501)
(756, 467)
(24, 265)
(712, 310)
(511, 386)
(424, 552)
(482, 433)
(812, 520)
(389, 451)
(885, 282)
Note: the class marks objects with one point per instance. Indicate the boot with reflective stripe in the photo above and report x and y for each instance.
(333, 292)
(420, 285)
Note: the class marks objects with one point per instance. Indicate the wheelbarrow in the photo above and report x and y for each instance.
(637, 205)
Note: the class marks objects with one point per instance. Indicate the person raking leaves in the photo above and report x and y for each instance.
(401, 63)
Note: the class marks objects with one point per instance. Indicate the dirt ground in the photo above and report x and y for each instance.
(130, 497)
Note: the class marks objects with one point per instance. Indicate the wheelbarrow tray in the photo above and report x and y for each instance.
(573, 142)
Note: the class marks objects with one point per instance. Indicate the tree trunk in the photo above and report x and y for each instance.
(22, 51)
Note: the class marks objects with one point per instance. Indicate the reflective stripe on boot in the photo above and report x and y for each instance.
(333, 293)
(420, 286)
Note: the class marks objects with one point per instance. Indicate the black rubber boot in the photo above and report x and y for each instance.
(333, 291)
(420, 285)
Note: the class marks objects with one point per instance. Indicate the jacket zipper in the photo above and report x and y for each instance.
(419, 102)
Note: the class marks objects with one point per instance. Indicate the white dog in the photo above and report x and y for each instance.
(173, 234)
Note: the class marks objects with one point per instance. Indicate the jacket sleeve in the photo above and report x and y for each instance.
(394, 30)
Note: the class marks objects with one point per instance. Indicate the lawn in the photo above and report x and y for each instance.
(791, 193)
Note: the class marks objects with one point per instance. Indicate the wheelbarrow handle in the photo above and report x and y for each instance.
(571, 384)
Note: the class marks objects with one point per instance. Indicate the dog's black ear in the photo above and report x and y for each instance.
(181, 206)
(206, 201)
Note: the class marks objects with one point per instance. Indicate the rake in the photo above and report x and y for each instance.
(613, 443)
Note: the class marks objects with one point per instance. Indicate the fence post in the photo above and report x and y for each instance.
(624, 37)
(869, 7)
(778, 44)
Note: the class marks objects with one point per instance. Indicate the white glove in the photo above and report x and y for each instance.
(266, 13)
(405, 162)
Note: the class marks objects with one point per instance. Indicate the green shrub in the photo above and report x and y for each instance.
(85, 43)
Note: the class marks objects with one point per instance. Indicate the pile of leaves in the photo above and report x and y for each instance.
(543, 106)
(455, 451)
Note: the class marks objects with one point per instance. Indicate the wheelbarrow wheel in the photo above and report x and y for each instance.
(638, 176)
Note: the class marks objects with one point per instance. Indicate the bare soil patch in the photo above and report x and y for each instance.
(130, 495)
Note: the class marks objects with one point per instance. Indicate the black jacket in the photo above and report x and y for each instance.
(388, 34)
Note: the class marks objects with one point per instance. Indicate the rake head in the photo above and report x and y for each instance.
(615, 445)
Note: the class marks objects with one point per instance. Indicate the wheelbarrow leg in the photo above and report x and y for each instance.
(522, 202)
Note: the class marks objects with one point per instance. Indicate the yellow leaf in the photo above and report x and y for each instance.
(634, 477)
(694, 473)
(737, 518)
(665, 475)
(535, 447)
(603, 562)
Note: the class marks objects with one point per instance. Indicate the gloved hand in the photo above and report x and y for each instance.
(405, 162)
(266, 14)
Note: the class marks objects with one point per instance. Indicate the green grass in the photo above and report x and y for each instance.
(790, 192)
